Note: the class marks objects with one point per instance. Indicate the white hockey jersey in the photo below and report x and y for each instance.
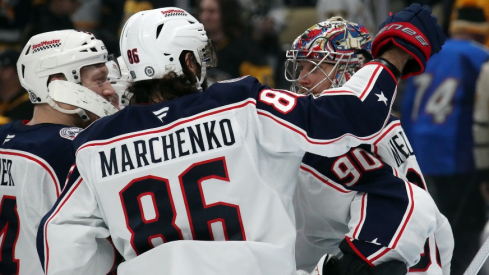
(364, 197)
(204, 184)
(34, 161)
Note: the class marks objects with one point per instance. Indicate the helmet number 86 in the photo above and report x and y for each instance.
(133, 56)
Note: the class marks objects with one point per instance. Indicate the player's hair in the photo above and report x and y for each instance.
(170, 86)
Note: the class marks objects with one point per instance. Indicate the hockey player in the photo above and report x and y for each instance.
(66, 77)
(202, 183)
(343, 188)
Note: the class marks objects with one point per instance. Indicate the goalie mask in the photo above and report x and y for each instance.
(345, 45)
(152, 42)
(62, 52)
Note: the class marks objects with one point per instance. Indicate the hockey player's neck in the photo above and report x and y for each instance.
(43, 113)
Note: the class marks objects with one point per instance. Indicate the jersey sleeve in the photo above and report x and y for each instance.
(393, 147)
(335, 121)
(64, 236)
(383, 216)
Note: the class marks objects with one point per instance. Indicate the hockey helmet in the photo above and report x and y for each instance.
(152, 41)
(345, 45)
(62, 52)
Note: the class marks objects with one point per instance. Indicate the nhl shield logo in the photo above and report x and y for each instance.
(70, 132)
(149, 71)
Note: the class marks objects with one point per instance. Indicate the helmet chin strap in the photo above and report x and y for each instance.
(202, 77)
(78, 96)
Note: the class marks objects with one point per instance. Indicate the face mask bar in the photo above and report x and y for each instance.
(345, 65)
(208, 55)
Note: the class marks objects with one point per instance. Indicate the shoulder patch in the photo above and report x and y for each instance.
(70, 132)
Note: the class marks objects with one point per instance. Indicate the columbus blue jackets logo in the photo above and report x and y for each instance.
(70, 132)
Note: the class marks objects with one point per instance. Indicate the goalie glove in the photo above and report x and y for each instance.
(350, 263)
(414, 29)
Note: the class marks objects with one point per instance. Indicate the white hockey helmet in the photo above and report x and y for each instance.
(63, 52)
(152, 41)
(119, 78)
(50, 53)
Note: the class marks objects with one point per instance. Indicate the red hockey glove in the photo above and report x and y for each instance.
(415, 30)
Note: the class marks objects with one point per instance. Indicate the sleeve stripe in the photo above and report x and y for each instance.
(379, 254)
(369, 86)
(362, 217)
(357, 251)
(39, 161)
(323, 179)
(172, 125)
(387, 69)
(298, 130)
(386, 132)
(373, 257)
(408, 217)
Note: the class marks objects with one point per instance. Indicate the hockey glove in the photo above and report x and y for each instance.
(414, 30)
(350, 263)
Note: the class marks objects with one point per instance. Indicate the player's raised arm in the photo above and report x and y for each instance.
(407, 41)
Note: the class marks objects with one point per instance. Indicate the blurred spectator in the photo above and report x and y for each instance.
(14, 100)
(52, 15)
(437, 116)
(266, 20)
(14, 16)
(103, 18)
(480, 3)
(351, 10)
(237, 55)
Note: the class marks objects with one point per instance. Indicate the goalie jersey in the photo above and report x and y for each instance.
(35, 161)
(369, 197)
(203, 184)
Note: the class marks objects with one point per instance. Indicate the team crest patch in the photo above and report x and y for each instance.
(44, 45)
(70, 132)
